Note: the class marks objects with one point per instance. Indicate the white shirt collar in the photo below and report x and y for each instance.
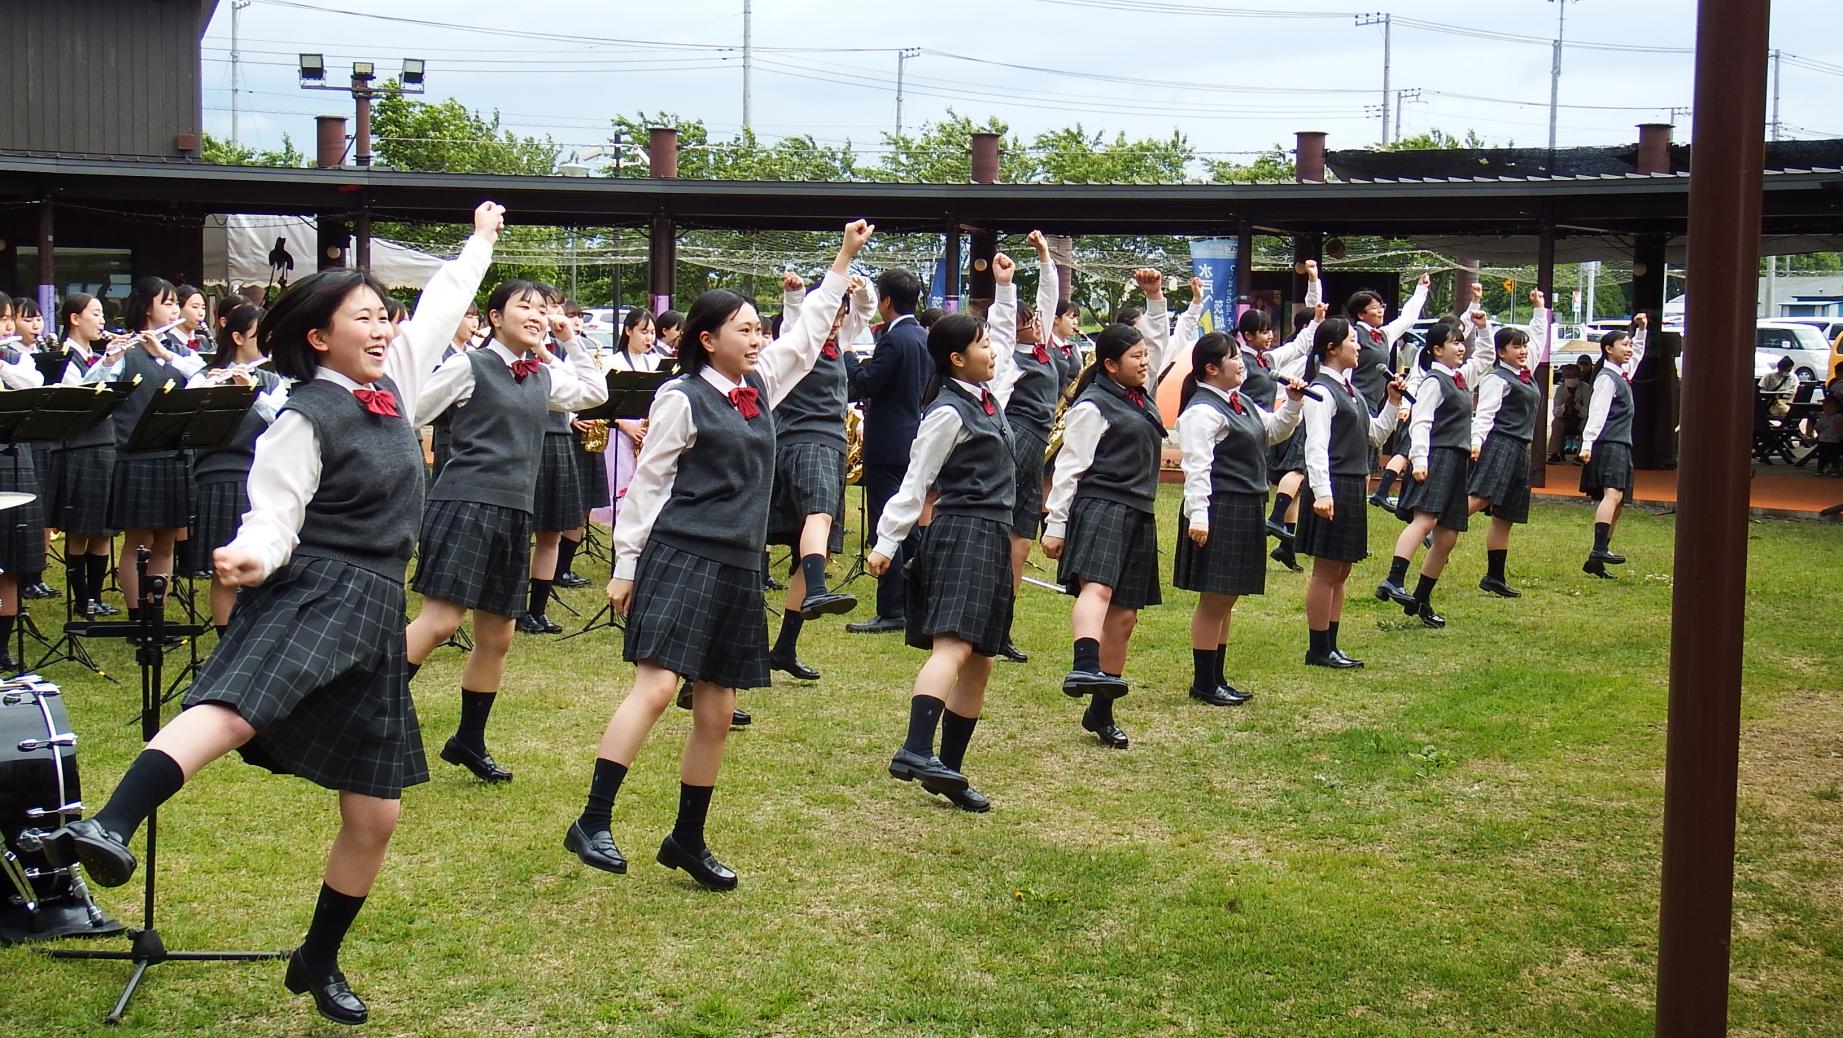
(324, 372)
(973, 389)
(499, 350)
(898, 320)
(717, 379)
(1342, 376)
(1440, 366)
(1226, 394)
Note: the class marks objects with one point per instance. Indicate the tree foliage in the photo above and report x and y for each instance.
(1436, 139)
(223, 153)
(444, 137)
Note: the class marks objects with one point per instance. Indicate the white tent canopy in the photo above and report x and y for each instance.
(238, 249)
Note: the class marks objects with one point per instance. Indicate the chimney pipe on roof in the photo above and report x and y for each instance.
(1309, 163)
(1654, 148)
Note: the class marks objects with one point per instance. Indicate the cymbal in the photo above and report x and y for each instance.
(9, 499)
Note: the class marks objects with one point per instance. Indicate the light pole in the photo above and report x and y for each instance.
(1561, 20)
(313, 77)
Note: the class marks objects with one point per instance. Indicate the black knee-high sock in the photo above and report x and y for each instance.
(221, 628)
(540, 596)
(1388, 480)
(1087, 654)
(1423, 591)
(1602, 536)
(1222, 664)
(1331, 636)
(475, 708)
(1398, 569)
(813, 568)
(566, 556)
(956, 733)
(1494, 562)
(1203, 669)
(693, 808)
(94, 568)
(787, 642)
(151, 780)
(924, 716)
(74, 568)
(1281, 502)
(1320, 641)
(1100, 710)
(599, 809)
(333, 915)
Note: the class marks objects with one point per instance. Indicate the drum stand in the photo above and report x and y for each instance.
(147, 948)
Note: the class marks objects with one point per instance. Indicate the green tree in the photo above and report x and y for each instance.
(221, 152)
(1270, 167)
(1074, 156)
(1436, 139)
(941, 153)
(444, 137)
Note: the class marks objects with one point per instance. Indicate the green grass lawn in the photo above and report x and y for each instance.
(1460, 839)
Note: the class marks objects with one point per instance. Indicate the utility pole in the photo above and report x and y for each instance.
(1413, 94)
(236, 69)
(1555, 75)
(902, 58)
(1382, 20)
(748, 62)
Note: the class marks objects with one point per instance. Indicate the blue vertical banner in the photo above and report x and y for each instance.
(1216, 262)
(937, 286)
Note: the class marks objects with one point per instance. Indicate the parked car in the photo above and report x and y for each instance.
(1828, 327)
(1804, 343)
(604, 318)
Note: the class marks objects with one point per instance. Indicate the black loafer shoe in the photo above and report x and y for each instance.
(1011, 653)
(39, 590)
(684, 696)
(968, 799)
(703, 866)
(1345, 659)
(792, 665)
(1499, 588)
(104, 855)
(1234, 693)
(1429, 617)
(550, 626)
(101, 608)
(1389, 591)
(1278, 531)
(1109, 734)
(332, 996)
(1080, 683)
(480, 762)
(771, 584)
(876, 625)
(570, 580)
(1596, 568)
(1606, 557)
(1284, 554)
(909, 766)
(1381, 502)
(529, 624)
(1336, 661)
(1218, 696)
(829, 604)
(597, 850)
(739, 718)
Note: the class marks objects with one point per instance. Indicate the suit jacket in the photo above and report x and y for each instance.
(891, 386)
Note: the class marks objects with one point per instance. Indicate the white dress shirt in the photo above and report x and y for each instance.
(1601, 403)
(1317, 422)
(940, 432)
(268, 403)
(1201, 429)
(1427, 404)
(286, 470)
(574, 385)
(670, 431)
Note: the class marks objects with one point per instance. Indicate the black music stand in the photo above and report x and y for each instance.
(630, 395)
(52, 414)
(51, 365)
(147, 635)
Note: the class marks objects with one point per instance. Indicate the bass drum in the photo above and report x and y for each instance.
(39, 790)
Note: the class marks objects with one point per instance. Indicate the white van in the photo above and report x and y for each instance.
(1804, 343)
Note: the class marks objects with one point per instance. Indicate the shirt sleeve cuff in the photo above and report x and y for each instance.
(1057, 530)
(625, 567)
(887, 548)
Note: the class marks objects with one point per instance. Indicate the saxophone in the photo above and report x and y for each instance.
(595, 437)
(854, 446)
(1062, 411)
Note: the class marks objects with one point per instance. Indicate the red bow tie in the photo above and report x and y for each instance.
(1459, 379)
(1628, 378)
(986, 401)
(1235, 403)
(1042, 353)
(744, 398)
(378, 401)
(1348, 388)
(1375, 337)
(1137, 397)
(1523, 375)
(525, 366)
(830, 350)
(1261, 359)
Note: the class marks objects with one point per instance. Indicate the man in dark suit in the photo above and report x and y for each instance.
(891, 386)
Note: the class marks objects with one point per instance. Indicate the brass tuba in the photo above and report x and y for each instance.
(854, 446)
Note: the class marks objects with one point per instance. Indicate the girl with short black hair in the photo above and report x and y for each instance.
(81, 470)
(1606, 442)
(1503, 423)
(1378, 362)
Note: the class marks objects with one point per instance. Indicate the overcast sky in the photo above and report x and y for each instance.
(1229, 78)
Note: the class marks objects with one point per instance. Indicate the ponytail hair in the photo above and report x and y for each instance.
(953, 333)
(1110, 343)
(1443, 331)
(1211, 349)
(709, 312)
(241, 318)
(1329, 335)
(74, 304)
(1608, 340)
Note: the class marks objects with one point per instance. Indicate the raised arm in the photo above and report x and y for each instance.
(1641, 337)
(1541, 323)
(421, 340)
(1154, 325)
(576, 384)
(1049, 285)
(1410, 312)
(1001, 331)
(788, 359)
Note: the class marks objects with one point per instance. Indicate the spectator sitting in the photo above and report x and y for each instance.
(1570, 408)
(1780, 385)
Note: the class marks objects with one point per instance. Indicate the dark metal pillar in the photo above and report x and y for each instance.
(1650, 391)
(952, 303)
(1702, 748)
(361, 238)
(47, 267)
(1244, 266)
(981, 286)
(331, 230)
(662, 240)
(1545, 280)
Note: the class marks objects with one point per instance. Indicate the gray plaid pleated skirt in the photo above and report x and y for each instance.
(809, 479)
(1501, 476)
(1027, 455)
(959, 583)
(1443, 492)
(313, 659)
(1610, 469)
(79, 484)
(592, 474)
(698, 618)
(151, 493)
(221, 504)
(22, 529)
(558, 505)
(475, 555)
(1112, 544)
(1234, 562)
(1345, 536)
